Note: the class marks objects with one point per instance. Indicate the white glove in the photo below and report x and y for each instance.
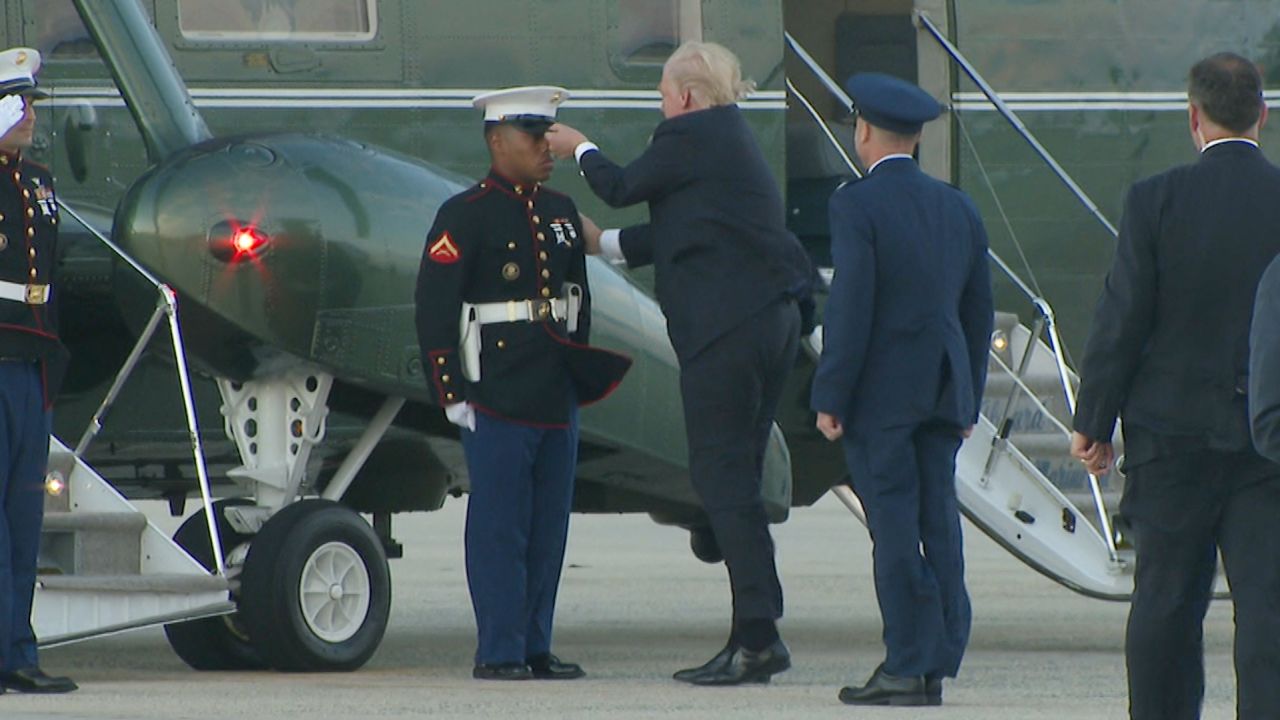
(12, 109)
(462, 415)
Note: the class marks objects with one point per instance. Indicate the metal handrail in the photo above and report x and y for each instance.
(1014, 120)
(167, 305)
(1041, 305)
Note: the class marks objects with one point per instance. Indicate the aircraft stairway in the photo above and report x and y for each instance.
(104, 567)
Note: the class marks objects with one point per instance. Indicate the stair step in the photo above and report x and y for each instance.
(93, 543)
(131, 522)
(172, 583)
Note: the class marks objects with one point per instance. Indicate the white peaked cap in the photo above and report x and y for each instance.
(18, 68)
(533, 103)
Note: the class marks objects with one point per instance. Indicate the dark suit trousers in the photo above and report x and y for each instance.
(905, 478)
(1181, 510)
(731, 391)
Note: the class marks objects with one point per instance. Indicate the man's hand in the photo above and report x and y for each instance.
(1096, 456)
(462, 415)
(12, 109)
(591, 235)
(829, 426)
(564, 140)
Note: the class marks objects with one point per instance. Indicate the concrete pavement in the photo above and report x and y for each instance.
(635, 606)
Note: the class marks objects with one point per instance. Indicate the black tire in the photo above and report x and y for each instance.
(301, 543)
(702, 541)
(216, 643)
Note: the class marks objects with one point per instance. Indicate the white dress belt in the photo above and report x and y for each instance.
(29, 294)
(520, 311)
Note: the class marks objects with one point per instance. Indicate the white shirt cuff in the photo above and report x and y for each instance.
(582, 149)
(611, 246)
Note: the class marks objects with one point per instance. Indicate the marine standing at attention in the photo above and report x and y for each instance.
(32, 360)
(503, 314)
(904, 364)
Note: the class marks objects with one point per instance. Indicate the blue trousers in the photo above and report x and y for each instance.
(24, 455)
(905, 478)
(517, 522)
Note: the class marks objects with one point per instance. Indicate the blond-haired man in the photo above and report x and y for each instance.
(728, 276)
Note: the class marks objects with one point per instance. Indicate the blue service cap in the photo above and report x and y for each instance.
(532, 109)
(18, 68)
(890, 103)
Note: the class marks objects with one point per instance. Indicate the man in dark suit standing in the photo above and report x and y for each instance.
(904, 364)
(1264, 365)
(728, 274)
(1169, 351)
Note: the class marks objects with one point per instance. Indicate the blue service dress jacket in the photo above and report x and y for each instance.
(908, 323)
(716, 234)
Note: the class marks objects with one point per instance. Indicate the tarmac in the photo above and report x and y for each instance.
(634, 606)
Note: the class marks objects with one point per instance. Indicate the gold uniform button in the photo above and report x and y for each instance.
(448, 396)
(33, 273)
(31, 212)
(26, 194)
(502, 344)
(542, 255)
(530, 204)
(53, 221)
(4, 159)
(17, 176)
(546, 274)
(540, 236)
(536, 219)
(519, 189)
(31, 253)
(440, 361)
(510, 271)
(511, 246)
(546, 292)
(4, 241)
(1, 217)
(31, 232)
(444, 378)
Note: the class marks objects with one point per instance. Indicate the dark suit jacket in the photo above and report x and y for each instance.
(1264, 365)
(716, 234)
(1169, 345)
(909, 320)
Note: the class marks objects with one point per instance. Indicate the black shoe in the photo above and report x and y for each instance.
(501, 671)
(746, 666)
(549, 667)
(885, 689)
(933, 688)
(33, 680)
(715, 664)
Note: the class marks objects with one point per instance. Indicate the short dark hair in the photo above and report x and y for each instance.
(1228, 88)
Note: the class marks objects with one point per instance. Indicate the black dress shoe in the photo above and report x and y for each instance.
(886, 689)
(933, 688)
(501, 671)
(746, 666)
(549, 667)
(715, 664)
(33, 680)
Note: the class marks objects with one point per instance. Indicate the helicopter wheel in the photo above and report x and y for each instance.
(215, 643)
(702, 541)
(316, 589)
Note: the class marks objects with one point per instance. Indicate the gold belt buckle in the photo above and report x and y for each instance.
(37, 294)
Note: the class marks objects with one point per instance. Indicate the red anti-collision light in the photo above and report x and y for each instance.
(249, 241)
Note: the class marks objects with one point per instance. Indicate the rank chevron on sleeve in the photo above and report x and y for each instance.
(444, 250)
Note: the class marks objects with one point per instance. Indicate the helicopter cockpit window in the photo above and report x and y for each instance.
(646, 32)
(297, 20)
(59, 32)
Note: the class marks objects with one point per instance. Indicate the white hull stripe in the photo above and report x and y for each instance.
(1093, 101)
(367, 98)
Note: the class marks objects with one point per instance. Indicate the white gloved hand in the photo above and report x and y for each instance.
(12, 109)
(462, 415)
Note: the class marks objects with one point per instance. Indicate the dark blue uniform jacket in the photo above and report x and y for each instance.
(908, 324)
(501, 241)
